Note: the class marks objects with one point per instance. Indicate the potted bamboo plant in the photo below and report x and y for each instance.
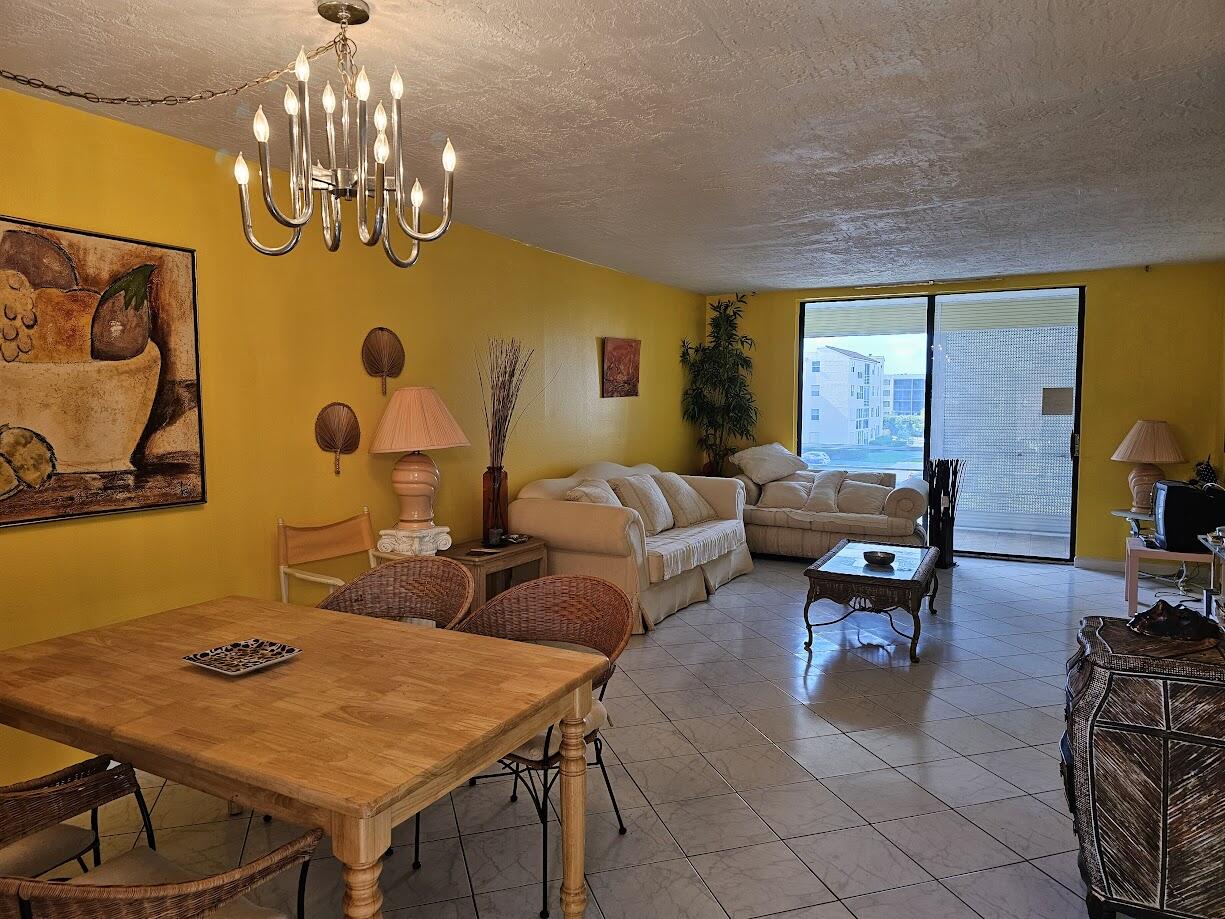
(717, 399)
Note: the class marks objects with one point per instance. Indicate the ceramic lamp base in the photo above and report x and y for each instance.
(414, 479)
(427, 541)
(1141, 479)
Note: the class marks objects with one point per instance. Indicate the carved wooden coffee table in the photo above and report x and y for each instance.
(843, 576)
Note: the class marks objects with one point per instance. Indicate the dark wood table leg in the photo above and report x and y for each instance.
(918, 627)
(812, 596)
(931, 594)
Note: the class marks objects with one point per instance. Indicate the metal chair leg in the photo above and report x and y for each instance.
(417, 843)
(144, 816)
(544, 853)
(599, 758)
(84, 867)
(302, 889)
(96, 845)
(514, 791)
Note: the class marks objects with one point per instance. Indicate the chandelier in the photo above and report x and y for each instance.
(347, 175)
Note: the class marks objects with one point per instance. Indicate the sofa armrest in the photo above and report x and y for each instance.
(726, 496)
(908, 500)
(576, 526)
(752, 491)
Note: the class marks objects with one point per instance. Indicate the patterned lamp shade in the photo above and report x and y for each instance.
(1149, 442)
(416, 419)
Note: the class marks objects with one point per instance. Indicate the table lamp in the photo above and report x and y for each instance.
(1146, 444)
(415, 420)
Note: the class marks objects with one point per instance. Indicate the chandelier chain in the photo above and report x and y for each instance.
(202, 96)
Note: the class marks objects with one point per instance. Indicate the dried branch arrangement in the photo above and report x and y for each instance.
(502, 372)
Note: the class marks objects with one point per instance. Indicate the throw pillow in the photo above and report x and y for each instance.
(862, 498)
(790, 495)
(688, 507)
(640, 493)
(823, 499)
(768, 463)
(593, 491)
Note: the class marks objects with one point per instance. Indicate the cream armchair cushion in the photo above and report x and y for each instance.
(593, 491)
(768, 463)
(640, 493)
(688, 507)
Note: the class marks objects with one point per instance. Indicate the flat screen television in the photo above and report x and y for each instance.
(1182, 513)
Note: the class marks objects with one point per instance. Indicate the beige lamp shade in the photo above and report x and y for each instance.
(1149, 442)
(415, 419)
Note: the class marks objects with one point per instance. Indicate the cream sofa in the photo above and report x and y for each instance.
(809, 534)
(662, 573)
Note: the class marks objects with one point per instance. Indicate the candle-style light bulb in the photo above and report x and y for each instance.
(260, 125)
(302, 66)
(397, 84)
(329, 99)
(417, 196)
(242, 175)
(291, 102)
(380, 117)
(448, 157)
(362, 86)
(382, 149)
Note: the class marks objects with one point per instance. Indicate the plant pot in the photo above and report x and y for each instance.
(91, 412)
(495, 504)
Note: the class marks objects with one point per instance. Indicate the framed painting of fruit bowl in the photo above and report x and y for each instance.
(99, 375)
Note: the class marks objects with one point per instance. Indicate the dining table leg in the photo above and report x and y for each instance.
(574, 806)
(359, 846)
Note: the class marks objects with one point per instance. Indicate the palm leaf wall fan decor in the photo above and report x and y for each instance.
(337, 430)
(383, 354)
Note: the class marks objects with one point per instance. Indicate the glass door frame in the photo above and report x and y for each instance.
(1073, 446)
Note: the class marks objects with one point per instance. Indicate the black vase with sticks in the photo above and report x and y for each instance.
(943, 486)
(501, 371)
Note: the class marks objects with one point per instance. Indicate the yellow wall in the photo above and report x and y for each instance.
(279, 338)
(1153, 349)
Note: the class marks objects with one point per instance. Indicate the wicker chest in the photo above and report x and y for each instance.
(1144, 771)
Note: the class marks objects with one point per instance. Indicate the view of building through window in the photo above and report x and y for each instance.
(863, 386)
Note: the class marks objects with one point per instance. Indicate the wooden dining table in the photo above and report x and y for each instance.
(372, 722)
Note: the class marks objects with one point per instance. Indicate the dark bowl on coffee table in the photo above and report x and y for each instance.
(879, 559)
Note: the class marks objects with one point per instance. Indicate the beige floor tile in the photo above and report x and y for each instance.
(802, 809)
(720, 732)
(1025, 825)
(761, 879)
(677, 778)
(883, 795)
(920, 901)
(857, 861)
(832, 755)
(664, 890)
(703, 825)
(959, 781)
(746, 768)
(902, 745)
(945, 843)
(1016, 892)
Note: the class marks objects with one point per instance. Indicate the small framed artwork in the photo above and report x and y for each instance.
(619, 376)
(99, 375)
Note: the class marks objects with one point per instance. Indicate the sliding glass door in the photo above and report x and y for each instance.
(863, 378)
(1004, 379)
(988, 378)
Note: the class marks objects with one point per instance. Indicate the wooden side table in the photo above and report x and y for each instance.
(1137, 551)
(502, 568)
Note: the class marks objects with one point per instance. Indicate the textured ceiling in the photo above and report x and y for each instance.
(746, 143)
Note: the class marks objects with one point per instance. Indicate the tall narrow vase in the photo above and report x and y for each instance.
(494, 506)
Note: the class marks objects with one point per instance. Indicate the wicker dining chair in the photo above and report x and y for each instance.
(34, 835)
(417, 589)
(575, 613)
(142, 885)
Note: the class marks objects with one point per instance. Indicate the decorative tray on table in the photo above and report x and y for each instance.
(241, 657)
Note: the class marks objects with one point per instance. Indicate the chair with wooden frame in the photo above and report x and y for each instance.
(298, 545)
(576, 613)
(34, 837)
(141, 884)
(424, 588)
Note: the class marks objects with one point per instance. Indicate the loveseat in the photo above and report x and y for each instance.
(661, 573)
(805, 513)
